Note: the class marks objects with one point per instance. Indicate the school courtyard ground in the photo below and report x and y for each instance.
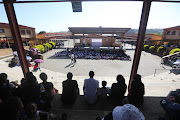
(157, 79)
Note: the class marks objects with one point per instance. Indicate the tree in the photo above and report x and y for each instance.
(42, 32)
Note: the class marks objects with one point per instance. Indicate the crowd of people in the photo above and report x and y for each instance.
(31, 100)
(23, 101)
(33, 56)
(95, 54)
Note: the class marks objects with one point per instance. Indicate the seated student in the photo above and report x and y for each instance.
(172, 105)
(5, 91)
(46, 96)
(11, 108)
(70, 90)
(47, 85)
(13, 63)
(29, 91)
(90, 88)
(11, 86)
(103, 92)
(136, 92)
(118, 90)
(32, 113)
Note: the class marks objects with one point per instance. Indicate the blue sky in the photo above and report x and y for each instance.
(56, 17)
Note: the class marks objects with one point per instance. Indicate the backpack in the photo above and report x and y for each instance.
(43, 94)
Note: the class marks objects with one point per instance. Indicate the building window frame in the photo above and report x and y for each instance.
(28, 32)
(168, 33)
(173, 33)
(2, 31)
(23, 32)
(179, 33)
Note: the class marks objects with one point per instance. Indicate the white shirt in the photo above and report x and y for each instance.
(91, 85)
(72, 56)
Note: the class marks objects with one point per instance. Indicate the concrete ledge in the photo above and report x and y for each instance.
(6, 56)
(151, 108)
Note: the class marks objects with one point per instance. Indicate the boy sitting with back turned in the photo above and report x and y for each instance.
(103, 92)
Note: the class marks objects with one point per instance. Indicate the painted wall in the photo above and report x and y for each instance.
(171, 37)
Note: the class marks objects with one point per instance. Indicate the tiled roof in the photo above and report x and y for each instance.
(173, 28)
(6, 25)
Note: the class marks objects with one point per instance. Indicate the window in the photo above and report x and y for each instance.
(173, 33)
(179, 33)
(1, 30)
(22, 32)
(28, 32)
(168, 32)
(118, 41)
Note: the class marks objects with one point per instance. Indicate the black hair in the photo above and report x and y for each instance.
(43, 76)
(120, 79)
(69, 75)
(104, 83)
(91, 73)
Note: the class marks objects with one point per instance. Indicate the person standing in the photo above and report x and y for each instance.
(72, 58)
(90, 89)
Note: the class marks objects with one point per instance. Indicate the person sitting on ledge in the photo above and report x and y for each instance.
(32, 113)
(136, 92)
(172, 105)
(5, 91)
(29, 91)
(70, 90)
(13, 63)
(90, 88)
(118, 90)
(103, 93)
(45, 94)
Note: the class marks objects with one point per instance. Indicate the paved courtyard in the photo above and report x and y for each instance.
(106, 68)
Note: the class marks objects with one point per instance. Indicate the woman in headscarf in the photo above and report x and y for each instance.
(136, 92)
(118, 90)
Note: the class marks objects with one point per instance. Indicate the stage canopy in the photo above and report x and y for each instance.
(98, 30)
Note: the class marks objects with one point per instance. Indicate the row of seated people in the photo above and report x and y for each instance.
(92, 54)
(31, 93)
(92, 92)
(23, 102)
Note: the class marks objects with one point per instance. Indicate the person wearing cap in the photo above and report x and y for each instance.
(70, 90)
(127, 112)
(90, 89)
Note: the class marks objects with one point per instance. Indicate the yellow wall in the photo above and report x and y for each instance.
(41, 36)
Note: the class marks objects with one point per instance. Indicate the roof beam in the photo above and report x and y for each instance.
(8, 4)
(140, 39)
(44, 1)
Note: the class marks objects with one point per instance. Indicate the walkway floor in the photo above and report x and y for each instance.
(82, 111)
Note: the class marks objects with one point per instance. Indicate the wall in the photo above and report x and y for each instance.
(171, 37)
(8, 33)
